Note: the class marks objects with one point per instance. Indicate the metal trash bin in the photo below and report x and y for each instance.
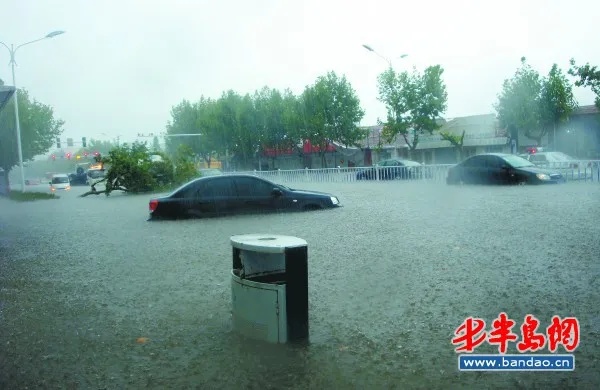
(269, 287)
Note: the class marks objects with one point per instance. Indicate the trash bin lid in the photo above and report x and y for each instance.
(266, 243)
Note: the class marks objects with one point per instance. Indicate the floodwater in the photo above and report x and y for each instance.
(94, 296)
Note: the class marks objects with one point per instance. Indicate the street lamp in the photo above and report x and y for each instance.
(12, 50)
(369, 48)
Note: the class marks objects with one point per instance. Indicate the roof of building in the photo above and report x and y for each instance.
(586, 110)
(479, 130)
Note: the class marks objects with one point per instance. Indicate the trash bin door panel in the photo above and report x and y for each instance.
(256, 311)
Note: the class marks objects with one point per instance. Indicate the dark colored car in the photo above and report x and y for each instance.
(80, 178)
(394, 169)
(235, 194)
(499, 168)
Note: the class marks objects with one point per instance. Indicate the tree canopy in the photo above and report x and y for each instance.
(587, 76)
(133, 168)
(414, 103)
(532, 105)
(39, 129)
(242, 126)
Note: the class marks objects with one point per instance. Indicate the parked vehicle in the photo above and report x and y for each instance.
(236, 194)
(500, 168)
(570, 167)
(60, 182)
(395, 169)
(80, 178)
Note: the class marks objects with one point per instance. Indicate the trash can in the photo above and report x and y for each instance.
(269, 287)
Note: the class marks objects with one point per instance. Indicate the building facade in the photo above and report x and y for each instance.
(578, 137)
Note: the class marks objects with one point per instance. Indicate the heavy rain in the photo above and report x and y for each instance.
(90, 301)
(299, 195)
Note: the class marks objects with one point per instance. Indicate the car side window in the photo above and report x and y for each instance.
(494, 162)
(190, 191)
(248, 186)
(474, 162)
(218, 187)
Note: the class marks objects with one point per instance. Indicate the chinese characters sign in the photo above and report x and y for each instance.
(529, 337)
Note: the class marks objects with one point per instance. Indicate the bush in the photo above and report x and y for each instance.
(162, 170)
(130, 169)
(30, 196)
(135, 169)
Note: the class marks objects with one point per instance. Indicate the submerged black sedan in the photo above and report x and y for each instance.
(236, 194)
(500, 168)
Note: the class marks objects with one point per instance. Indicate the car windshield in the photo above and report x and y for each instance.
(517, 162)
(60, 180)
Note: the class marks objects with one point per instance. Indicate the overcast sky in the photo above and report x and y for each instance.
(122, 65)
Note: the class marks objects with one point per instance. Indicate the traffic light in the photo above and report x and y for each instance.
(69, 142)
(83, 142)
(57, 143)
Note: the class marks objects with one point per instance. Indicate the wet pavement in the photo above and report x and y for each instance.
(94, 296)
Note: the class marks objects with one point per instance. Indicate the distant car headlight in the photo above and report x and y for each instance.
(335, 200)
(542, 176)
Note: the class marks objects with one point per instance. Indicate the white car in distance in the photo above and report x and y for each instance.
(60, 182)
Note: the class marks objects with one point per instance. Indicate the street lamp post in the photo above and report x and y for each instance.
(12, 50)
(369, 48)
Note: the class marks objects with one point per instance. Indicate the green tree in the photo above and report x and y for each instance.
(533, 105)
(277, 118)
(414, 103)
(195, 118)
(455, 140)
(236, 127)
(185, 169)
(519, 104)
(129, 170)
(557, 102)
(102, 147)
(39, 129)
(331, 113)
(93, 146)
(587, 76)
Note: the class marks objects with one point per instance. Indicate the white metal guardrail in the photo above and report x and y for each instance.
(586, 171)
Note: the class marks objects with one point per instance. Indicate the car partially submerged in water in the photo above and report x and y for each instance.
(236, 194)
(500, 168)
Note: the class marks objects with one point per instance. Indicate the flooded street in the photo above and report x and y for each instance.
(94, 296)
